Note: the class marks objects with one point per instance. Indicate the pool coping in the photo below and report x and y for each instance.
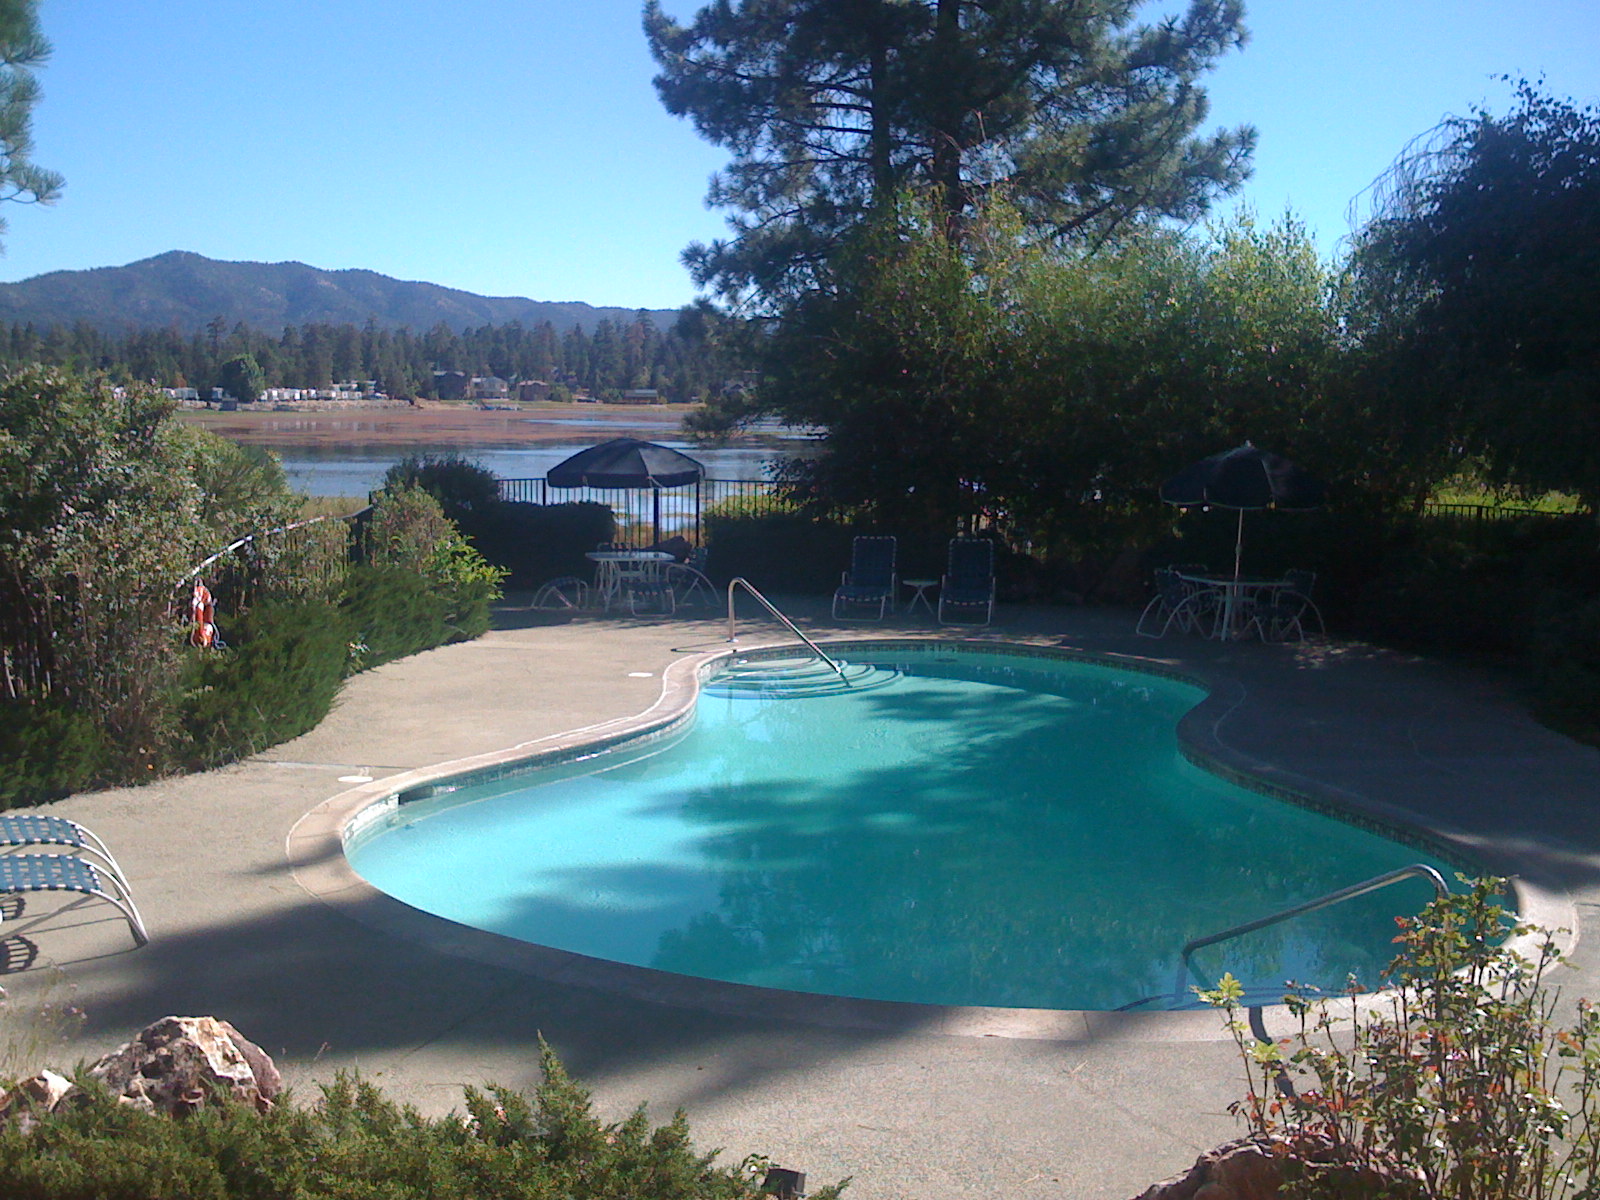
(315, 848)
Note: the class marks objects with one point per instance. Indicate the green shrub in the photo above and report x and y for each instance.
(535, 543)
(276, 679)
(48, 751)
(1461, 1087)
(779, 553)
(462, 487)
(407, 529)
(355, 1144)
(390, 613)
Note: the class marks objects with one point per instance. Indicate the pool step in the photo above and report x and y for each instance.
(785, 678)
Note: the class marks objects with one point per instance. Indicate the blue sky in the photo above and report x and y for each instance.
(516, 147)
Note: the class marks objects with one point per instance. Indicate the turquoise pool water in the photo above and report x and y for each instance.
(982, 829)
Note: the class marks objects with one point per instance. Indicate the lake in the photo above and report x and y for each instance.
(356, 470)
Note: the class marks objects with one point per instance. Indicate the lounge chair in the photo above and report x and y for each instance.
(968, 584)
(24, 873)
(21, 830)
(870, 580)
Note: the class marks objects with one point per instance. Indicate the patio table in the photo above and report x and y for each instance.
(620, 571)
(1236, 598)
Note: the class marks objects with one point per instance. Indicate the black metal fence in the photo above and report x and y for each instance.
(1487, 512)
(682, 510)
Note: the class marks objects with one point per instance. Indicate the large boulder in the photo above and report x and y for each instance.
(1254, 1168)
(179, 1064)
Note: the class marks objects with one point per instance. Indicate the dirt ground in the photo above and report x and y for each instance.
(441, 424)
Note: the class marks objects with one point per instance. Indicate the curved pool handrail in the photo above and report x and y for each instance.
(1299, 910)
(741, 581)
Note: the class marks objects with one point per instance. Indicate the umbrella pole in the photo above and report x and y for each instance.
(1238, 548)
(656, 492)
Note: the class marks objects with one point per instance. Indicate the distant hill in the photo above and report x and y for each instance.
(188, 290)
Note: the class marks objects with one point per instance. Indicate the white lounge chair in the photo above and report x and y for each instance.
(22, 830)
(24, 873)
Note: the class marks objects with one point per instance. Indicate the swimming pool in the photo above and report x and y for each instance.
(963, 828)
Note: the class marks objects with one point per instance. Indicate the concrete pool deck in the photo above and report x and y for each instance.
(1097, 1112)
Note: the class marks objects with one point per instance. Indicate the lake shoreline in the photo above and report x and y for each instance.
(453, 425)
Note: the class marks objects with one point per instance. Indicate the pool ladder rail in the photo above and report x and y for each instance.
(738, 581)
(1366, 886)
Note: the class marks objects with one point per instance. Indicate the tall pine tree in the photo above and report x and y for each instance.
(1085, 119)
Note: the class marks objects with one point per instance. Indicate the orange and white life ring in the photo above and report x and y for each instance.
(204, 612)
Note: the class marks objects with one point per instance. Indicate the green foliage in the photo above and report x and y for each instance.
(22, 47)
(684, 364)
(100, 525)
(992, 381)
(356, 1144)
(1461, 1087)
(276, 679)
(390, 613)
(462, 487)
(407, 529)
(1089, 120)
(535, 543)
(242, 378)
(48, 751)
(780, 552)
(1481, 273)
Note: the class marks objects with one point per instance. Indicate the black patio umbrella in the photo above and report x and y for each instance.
(1244, 478)
(627, 463)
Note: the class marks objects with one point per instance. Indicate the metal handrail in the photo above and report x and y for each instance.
(1332, 898)
(740, 581)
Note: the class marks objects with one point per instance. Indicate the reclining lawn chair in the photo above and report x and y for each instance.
(21, 830)
(870, 580)
(968, 584)
(26, 873)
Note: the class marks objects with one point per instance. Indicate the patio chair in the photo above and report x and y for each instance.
(26, 873)
(968, 584)
(1282, 613)
(566, 594)
(870, 580)
(1175, 603)
(688, 582)
(21, 830)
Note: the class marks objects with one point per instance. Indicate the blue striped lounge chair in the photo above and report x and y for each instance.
(25, 830)
(870, 581)
(968, 585)
(26, 873)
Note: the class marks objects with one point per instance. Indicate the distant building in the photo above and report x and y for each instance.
(533, 390)
(640, 396)
(450, 385)
(489, 387)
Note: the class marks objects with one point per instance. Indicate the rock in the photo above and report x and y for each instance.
(1254, 1169)
(22, 1106)
(179, 1064)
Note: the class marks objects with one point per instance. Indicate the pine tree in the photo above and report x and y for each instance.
(832, 107)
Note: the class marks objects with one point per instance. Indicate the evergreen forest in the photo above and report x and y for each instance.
(695, 359)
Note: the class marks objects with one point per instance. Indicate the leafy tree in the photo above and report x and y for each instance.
(1480, 280)
(830, 110)
(99, 521)
(22, 48)
(1054, 390)
(241, 376)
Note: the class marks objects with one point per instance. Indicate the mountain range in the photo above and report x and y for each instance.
(187, 290)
